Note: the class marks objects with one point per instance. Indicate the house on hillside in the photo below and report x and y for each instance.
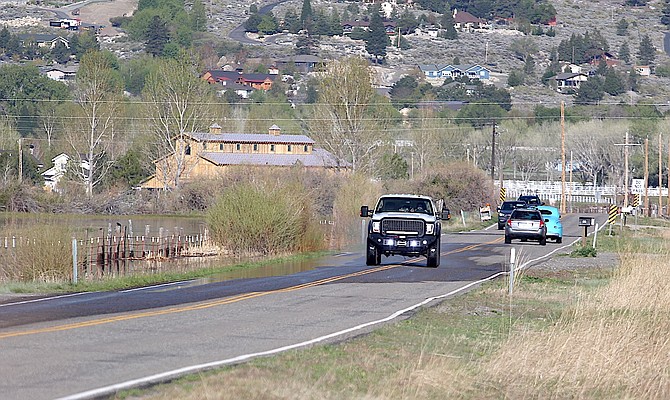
(60, 72)
(207, 155)
(466, 22)
(348, 26)
(255, 81)
(42, 40)
(569, 82)
(303, 63)
(643, 70)
(443, 71)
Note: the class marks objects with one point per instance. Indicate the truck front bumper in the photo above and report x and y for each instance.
(411, 246)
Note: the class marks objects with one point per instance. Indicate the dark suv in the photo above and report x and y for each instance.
(531, 200)
(506, 209)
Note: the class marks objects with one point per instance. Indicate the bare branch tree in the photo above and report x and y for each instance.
(178, 103)
(97, 92)
(342, 123)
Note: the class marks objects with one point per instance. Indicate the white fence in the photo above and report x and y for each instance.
(550, 191)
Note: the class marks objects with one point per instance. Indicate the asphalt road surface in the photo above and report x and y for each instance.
(91, 344)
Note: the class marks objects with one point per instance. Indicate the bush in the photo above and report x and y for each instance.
(252, 218)
(584, 251)
(43, 253)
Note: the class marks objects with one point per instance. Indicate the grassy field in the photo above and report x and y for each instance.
(596, 333)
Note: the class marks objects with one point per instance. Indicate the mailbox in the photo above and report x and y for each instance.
(587, 221)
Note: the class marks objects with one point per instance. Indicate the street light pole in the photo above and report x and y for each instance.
(563, 158)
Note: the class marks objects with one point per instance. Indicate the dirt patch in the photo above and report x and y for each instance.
(99, 13)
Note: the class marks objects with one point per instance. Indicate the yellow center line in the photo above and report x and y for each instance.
(220, 302)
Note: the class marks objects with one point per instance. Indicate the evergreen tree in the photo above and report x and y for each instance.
(407, 23)
(157, 36)
(624, 52)
(377, 40)
(61, 53)
(665, 13)
(590, 92)
(614, 84)
(646, 53)
(622, 27)
(251, 24)
(306, 13)
(4, 38)
(268, 24)
(291, 21)
(447, 23)
(198, 16)
(515, 78)
(335, 24)
(602, 67)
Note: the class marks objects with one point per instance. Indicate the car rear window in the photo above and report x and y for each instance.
(546, 212)
(526, 214)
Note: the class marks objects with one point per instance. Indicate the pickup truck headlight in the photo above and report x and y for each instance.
(375, 226)
(430, 228)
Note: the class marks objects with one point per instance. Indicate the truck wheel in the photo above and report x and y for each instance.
(433, 257)
(559, 240)
(372, 256)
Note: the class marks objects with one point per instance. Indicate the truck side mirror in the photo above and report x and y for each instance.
(446, 214)
(364, 211)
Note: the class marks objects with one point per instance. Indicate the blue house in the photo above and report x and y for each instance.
(443, 71)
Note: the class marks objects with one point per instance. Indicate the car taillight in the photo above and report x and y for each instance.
(541, 223)
(509, 222)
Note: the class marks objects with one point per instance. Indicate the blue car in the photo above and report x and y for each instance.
(552, 218)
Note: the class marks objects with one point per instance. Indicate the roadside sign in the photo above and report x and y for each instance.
(636, 200)
(611, 216)
(637, 186)
(503, 194)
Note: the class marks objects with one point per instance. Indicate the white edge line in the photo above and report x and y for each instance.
(157, 286)
(168, 375)
(45, 299)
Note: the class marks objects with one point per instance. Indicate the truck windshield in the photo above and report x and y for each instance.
(400, 204)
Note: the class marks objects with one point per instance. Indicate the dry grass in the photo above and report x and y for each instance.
(612, 344)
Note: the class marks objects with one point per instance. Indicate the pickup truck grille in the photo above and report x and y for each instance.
(395, 226)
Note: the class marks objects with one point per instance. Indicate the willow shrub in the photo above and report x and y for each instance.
(38, 252)
(255, 218)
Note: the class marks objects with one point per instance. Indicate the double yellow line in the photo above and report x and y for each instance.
(220, 302)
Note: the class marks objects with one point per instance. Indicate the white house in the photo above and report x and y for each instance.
(53, 175)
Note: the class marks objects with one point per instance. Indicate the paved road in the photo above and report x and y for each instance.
(83, 345)
(238, 34)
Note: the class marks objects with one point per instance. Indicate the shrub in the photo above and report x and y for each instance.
(252, 218)
(43, 252)
(584, 251)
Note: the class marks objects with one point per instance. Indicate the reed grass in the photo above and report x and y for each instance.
(40, 251)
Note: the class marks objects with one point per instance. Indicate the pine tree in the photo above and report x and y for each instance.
(665, 13)
(624, 52)
(646, 53)
(198, 16)
(447, 23)
(622, 27)
(306, 13)
(614, 84)
(157, 36)
(377, 40)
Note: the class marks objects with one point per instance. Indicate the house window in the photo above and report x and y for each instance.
(221, 146)
(305, 149)
(238, 147)
(290, 148)
(255, 147)
(272, 148)
(188, 150)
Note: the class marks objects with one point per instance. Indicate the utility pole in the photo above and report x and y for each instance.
(493, 152)
(20, 160)
(660, 174)
(570, 188)
(563, 158)
(625, 145)
(647, 211)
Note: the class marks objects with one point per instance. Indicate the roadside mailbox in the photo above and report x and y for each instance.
(586, 222)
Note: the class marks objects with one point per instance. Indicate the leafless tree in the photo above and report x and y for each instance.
(342, 122)
(97, 93)
(593, 146)
(178, 103)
